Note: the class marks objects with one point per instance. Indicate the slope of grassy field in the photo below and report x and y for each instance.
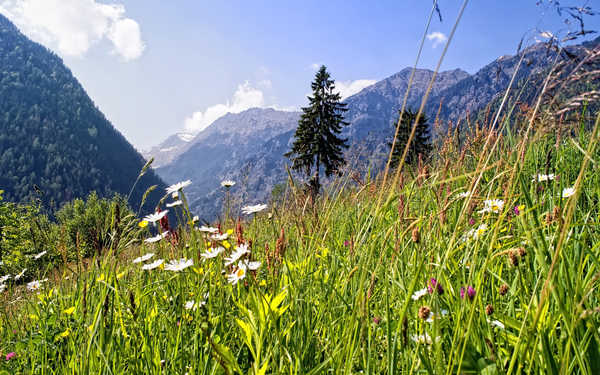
(484, 262)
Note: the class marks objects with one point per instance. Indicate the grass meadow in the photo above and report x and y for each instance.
(484, 262)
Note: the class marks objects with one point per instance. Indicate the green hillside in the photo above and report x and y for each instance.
(55, 144)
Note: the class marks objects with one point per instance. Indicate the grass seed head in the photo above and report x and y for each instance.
(415, 235)
(514, 259)
(424, 312)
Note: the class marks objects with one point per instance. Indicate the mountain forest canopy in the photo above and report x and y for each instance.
(55, 144)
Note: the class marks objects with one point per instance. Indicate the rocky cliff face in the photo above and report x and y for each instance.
(224, 150)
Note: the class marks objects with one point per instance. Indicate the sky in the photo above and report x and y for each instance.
(157, 67)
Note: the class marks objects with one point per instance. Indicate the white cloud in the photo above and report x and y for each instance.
(127, 39)
(265, 83)
(74, 26)
(437, 38)
(349, 88)
(245, 97)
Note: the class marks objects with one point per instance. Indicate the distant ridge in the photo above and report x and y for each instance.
(371, 114)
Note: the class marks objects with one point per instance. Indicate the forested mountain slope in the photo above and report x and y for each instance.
(55, 144)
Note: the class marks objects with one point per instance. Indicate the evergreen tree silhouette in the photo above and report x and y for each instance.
(316, 141)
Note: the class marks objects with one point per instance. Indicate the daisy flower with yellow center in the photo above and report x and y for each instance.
(492, 205)
(567, 192)
(238, 274)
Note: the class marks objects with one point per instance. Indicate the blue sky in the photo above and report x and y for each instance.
(154, 66)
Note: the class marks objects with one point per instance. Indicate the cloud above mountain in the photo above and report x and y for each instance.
(245, 97)
(72, 27)
(349, 88)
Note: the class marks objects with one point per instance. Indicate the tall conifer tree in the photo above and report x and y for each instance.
(316, 141)
(420, 143)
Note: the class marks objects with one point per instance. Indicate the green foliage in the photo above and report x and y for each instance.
(24, 232)
(55, 145)
(334, 292)
(89, 227)
(316, 141)
(33, 244)
(420, 146)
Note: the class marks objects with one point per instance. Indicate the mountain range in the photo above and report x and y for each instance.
(55, 144)
(248, 147)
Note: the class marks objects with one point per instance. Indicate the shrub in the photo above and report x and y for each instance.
(24, 232)
(92, 226)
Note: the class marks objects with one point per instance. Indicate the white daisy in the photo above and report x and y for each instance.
(227, 183)
(153, 265)
(156, 238)
(492, 205)
(143, 258)
(238, 274)
(179, 265)
(419, 293)
(17, 277)
(178, 186)
(39, 255)
(153, 218)
(4, 278)
(220, 237)
(433, 316)
(237, 254)
(212, 252)
(2, 287)
(208, 229)
(480, 231)
(464, 194)
(35, 284)
(195, 218)
(422, 339)
(567, 192)
(475, 233)
(253, 209)
(543, 177)
(174, 204)
(252, 266)
(190, 305)
(496, 323)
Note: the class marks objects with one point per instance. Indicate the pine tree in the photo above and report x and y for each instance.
(316, 141)
(420, 143)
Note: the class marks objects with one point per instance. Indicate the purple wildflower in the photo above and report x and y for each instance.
(10, 356)
(346, 243)
(516, 210)
(471, 221)
(376, 320)
(470, 291)
(433, 283)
